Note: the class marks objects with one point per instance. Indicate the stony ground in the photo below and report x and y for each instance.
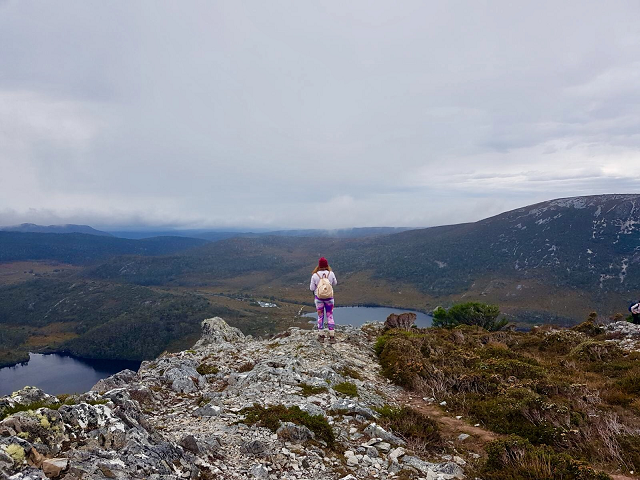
(181, 416)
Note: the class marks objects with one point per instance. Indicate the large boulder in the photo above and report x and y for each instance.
(28, 396)
(119, 380)
(216, 330)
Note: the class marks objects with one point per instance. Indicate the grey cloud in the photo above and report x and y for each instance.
(259, 113)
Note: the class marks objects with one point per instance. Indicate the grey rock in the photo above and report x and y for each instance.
(119, 380)
(394, 467)
(352, 406)
(183, 378)
(374, 430)
(255, 447)
(384, 447)
(352, 461)
(420, 465)
(372, 452)
(462, 437)
(189, 442)
(26, 396)
(29, 473)
(396, 453)
(312, 409)
(215, 331)
(259, 471)
(209, 410)
(294, 433)
(450, 468)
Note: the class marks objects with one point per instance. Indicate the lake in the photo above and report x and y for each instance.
(56, 374)
(356, 316)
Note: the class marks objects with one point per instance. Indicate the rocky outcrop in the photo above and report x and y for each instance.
(182, 416)
(626, 335)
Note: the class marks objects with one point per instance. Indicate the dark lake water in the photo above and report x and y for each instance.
(358, 315)
(57, 374)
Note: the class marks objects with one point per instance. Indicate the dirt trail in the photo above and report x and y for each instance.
(451, 427)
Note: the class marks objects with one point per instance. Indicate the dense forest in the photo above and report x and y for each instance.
(98, 320)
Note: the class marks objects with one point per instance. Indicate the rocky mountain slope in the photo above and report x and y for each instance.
(185, 416)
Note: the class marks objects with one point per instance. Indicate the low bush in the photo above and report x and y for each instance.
(308, 390)
(346, 388)
(273, 416)
(515, 458)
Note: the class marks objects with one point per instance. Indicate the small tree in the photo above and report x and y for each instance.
(470, 313)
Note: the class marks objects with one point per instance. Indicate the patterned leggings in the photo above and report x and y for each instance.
(321, 307)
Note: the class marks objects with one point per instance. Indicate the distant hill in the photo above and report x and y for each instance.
(80, 248)
(69, 228)
(215, 235)
(582, 251)
(592, 243)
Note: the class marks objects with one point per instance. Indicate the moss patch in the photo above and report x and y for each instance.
(16, 452)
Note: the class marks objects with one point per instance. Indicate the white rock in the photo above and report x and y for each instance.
(396, 453)
(462, 437)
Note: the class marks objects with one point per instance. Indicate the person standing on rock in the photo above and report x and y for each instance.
(635, 313)
(322, 282)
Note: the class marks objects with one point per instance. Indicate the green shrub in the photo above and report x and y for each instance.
(308, 390)
(401, 360)
(272, 417)
(346, 388)
(588, 328)
(470, 313)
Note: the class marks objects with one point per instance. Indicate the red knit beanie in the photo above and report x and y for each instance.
(322, 263)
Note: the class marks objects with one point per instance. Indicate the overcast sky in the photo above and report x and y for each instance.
(312, 113)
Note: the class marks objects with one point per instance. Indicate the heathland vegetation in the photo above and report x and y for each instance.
(559, 397)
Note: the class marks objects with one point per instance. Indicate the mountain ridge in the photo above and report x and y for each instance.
(66, 228)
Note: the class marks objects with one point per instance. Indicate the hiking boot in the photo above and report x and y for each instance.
(332, 340)
(321, 338)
